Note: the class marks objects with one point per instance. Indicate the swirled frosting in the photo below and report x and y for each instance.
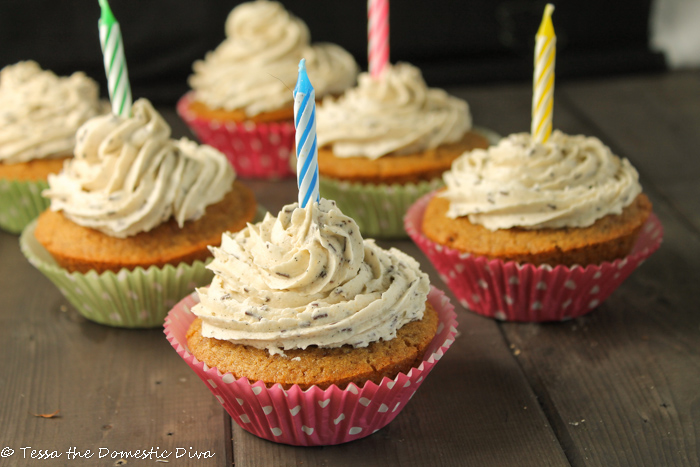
(255, 68)
(306, 277)
(569, 181)
(395, 114)
(40, 112)
(128, 176)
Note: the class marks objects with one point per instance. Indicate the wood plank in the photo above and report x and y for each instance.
(654, 121)
(620, 385)
(116, 389)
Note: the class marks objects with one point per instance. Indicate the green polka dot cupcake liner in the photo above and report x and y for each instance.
(20, 203)
(139, 298)
(377, 209)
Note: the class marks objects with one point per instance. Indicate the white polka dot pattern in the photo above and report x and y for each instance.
(261, 150)
(20, 203)
(133, 299)
(523, 292)
(315, 416)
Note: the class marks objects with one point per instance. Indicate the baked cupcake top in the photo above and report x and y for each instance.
(569, 181)
(306, 277)
(41, 111)
(395, 114)
(256, 65)
(128, 176)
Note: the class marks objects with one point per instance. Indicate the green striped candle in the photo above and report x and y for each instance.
(115, 63)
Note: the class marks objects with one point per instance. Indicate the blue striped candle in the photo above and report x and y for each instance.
(305, 137)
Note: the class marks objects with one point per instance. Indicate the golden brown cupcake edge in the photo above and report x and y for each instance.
(404, 168)
(81, 249)
(609, 238)
(34, 170)
(318, 366)
(202, 110)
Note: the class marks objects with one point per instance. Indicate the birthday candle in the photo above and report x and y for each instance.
(305, 125)
(543, 78)
(377, 36)
(114, 61)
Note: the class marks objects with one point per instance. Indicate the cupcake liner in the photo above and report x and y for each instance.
(130, 299)
(20, 203)
(256, 150)
(511, 291)
(138, 298)
(314, 417)
(377, 209)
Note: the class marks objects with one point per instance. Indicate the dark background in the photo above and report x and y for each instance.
(453, 42)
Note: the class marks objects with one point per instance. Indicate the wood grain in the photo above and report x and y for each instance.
(617, 384)
(117, 389)
(618, 387)
(654, 121)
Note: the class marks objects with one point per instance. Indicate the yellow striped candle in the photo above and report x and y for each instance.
(543, 78)
(114, 61)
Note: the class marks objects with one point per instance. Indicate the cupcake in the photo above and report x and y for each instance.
(309, 334)
(386, 142)
(529, 231)
(241, 101)
(40, 115)
(131, 218)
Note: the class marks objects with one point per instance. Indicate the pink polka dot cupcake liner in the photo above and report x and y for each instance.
(314, 417)
(510, 291)
(20, 203)
(255, 150)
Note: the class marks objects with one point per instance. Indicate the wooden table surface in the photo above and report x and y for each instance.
(618, 387)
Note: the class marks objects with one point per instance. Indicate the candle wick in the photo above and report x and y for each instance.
(278, 79)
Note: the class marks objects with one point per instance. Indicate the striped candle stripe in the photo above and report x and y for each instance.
(377, 36)
(543, 78)
(305, 125)
(114, 62)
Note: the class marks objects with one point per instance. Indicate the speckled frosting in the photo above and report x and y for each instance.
(255, 68)
(569, 181)
(306, 277)
(128, 176)
(394, 114)
(40, 112)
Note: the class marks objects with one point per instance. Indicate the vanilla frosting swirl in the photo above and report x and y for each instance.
(569, 181)
(306, 277)
(128, 176)
(255, 68)
(395, 114)
(40, 112)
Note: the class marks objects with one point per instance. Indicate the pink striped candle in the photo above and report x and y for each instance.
(377, 36)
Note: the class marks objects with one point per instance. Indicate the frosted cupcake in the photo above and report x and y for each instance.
(386, 142)
(305, 323)
(241, 101)
(131, 218)
(537, 231)
(40, 114)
